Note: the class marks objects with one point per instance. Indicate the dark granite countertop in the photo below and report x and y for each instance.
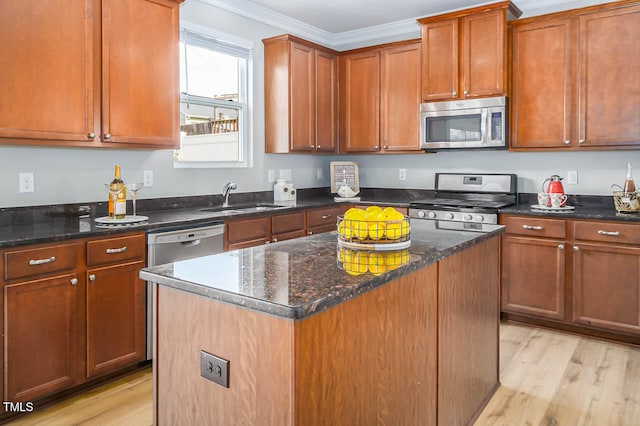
(300, 277)
(586, 207)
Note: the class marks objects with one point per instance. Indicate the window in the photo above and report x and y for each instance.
(215, 128)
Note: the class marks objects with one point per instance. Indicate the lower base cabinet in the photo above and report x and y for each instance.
(72, 312)
(577, 275)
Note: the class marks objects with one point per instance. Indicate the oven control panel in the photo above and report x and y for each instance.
(455, 216)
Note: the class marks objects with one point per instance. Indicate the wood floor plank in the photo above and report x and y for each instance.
(548, 378)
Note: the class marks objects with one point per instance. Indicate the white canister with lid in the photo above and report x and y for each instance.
(283, 191)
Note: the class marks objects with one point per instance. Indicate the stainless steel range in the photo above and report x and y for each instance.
(467, 200)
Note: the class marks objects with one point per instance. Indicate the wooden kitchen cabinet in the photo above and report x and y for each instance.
(116, 303)
(288, 226)
(301, 83)
(43, 328)
(244, 233)
(90, 74)
(380, 98)
(533, 267)
(588, 102)
(606, 282)
(324, 220)
(575, 275)
(73, 310)
(464, 53)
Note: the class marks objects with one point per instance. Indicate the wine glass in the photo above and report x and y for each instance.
(134, 188)
(114, 191)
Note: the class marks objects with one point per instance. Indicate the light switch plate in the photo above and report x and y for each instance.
(214, 368)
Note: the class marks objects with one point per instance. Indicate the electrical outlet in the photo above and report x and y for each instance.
(271, 176)
(319, 174)
(214, 368)
(26, 182)
(572, 177)
(148, 178)
(402, 174)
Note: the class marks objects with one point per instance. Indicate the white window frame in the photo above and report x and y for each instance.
(245, 122)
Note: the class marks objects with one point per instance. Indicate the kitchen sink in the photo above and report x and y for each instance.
(243, 208)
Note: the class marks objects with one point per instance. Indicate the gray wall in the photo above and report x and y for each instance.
(66, 175)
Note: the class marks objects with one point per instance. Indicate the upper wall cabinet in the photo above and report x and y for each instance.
(301, 89)
(575, 79)
(380, 98)
(464, 53)
(90, 73)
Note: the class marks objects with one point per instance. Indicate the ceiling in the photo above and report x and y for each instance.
(340, 22)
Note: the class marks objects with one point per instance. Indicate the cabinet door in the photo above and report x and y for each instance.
(541, 112)
(440, 60)
(47, 67)
(302, 97)
(483, 50)
(609, 87)
(115, 318)
(247, 233)
(400, 105)
(140, 96)
(533, 276)
(43, 337)
(606, 288)
(360, 102)
(326, 101)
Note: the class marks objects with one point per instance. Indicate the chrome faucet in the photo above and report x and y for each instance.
(225, 192)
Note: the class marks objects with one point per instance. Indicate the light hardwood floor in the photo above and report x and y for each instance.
(548, 378)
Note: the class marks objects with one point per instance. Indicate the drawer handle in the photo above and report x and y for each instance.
(532, 228)
(608, 233)
(42, 261)
(74, 281)
(326, 216)
(117, 250)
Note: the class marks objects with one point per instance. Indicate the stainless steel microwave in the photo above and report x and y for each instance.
(464, 124)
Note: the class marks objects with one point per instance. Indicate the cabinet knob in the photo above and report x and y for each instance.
(581, 141)
(466, 92)
(91, 135)
(92, 277)
(376, 147)
(560, 246)
(454, 93)
(267, 242)
(576, 248)
(107, 136)
(74, 281)
(318, 147)
(310, 233)
(275, 240)
(567, 142)
(386, 147)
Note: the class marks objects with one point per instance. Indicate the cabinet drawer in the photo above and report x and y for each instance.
(38, 261)
(287, 223)
(324, 217)
(530, 225)
(613, 232)
(250, 229)
(110, 250)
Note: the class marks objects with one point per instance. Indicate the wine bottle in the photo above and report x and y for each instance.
(629, 185)
(119, 209)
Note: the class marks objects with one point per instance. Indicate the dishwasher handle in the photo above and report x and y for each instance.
(191, 242)
(190, 236)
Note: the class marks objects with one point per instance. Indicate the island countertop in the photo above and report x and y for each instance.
(301, 277)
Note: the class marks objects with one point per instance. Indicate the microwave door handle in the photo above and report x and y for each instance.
(485, 126)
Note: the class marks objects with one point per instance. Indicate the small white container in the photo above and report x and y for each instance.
(283, 192)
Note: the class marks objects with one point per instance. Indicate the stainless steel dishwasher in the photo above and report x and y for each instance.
(174, 244)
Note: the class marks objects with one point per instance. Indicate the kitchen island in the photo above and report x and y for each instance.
(310, 343)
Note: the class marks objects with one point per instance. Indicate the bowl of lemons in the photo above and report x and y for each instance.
(358, 262)
(374, 228)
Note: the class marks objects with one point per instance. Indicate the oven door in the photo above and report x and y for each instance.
(461, 128)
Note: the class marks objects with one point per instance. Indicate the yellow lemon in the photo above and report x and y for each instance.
(355, 213)
(341, 255)
(397, 229)
(376, 230)
(359, 229)
(344, 230)
(373, 210)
